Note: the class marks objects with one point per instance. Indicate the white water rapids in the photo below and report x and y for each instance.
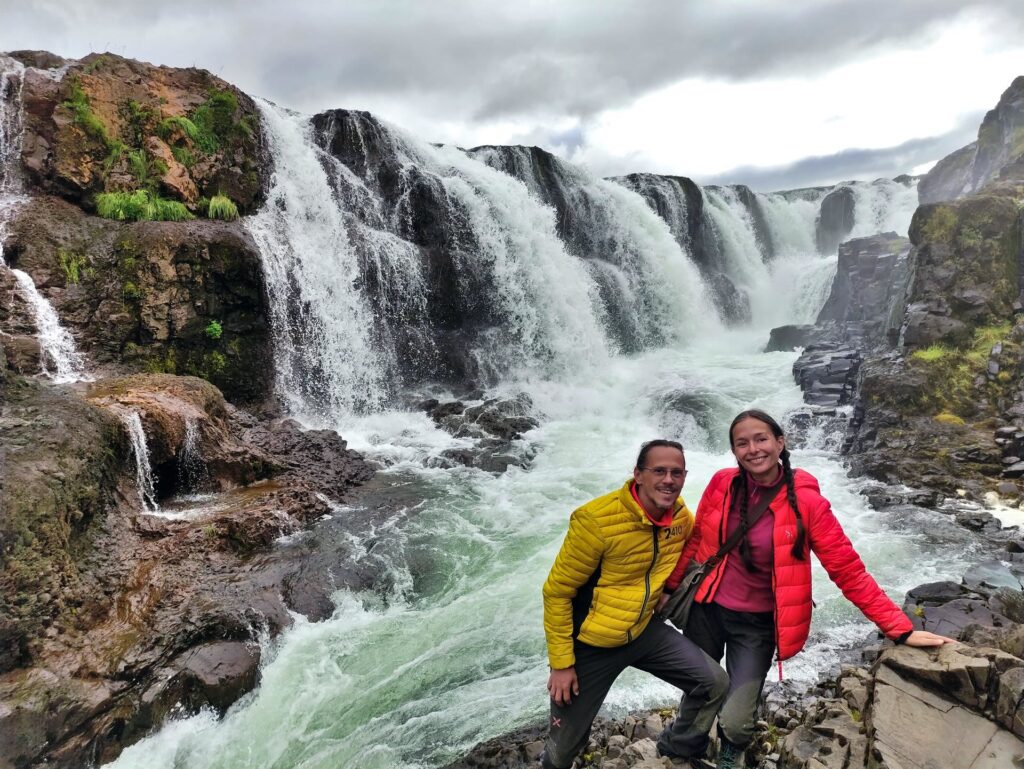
(455, 653)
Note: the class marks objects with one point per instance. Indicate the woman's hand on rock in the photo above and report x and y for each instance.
(924, 638)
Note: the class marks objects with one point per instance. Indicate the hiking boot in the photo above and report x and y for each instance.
(730, 756)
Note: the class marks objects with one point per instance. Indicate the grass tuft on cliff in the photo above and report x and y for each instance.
(953, 373)
(222, 207)
(85, 118)
(140, 206)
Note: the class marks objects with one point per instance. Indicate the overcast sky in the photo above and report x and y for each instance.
(774, 94)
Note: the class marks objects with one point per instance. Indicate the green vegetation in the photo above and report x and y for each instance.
(222, 207)
(184, 156)
(169, 125)
(214, 330)
(95, 64)
(73, 266)
(138, 119)
(214, 363)
(131, 292)
(85, 118)
(931, 353)
(214, 120)
(952, 371)
(140, 205)
(941, 225)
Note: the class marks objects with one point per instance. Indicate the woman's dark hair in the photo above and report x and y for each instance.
(645, 449)
(740, 492)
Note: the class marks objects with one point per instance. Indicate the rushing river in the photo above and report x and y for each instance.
(456, 654)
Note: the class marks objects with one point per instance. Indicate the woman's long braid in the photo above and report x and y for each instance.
(742, 497)
(801, 532)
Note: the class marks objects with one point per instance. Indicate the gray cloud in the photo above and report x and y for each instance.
(468, 62)
(480, 60)
(864, 164)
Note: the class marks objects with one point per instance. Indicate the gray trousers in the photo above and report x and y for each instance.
(748, 641)
(661, 651)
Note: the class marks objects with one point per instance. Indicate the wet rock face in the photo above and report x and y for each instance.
(81, 133)
(995, 156)
(110, 618)
(179, 297)
(494, 425)
(62, 459)
(835, 220)
(966, 268)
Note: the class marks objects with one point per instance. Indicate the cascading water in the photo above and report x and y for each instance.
(143, 472)
(191, 467)
(453, 652)
(59, 360)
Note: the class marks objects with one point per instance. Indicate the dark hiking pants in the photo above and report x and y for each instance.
(748, 642)
(661, 651)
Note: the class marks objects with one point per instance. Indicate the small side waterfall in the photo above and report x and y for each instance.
(143, 472)
(59, 360)
(192, 473)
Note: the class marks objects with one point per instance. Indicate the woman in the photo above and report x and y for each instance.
(758, 599)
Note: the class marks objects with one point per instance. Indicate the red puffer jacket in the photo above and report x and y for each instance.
(791, 577)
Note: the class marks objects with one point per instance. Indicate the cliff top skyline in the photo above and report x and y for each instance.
(746, 92)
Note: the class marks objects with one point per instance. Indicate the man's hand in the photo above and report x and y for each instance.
(924, 638)
(563, 685)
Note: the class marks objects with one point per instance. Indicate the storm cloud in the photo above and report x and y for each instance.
(453, 70)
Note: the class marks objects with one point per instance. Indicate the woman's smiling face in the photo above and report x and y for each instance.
(757, 448)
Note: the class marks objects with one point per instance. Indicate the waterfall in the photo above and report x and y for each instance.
(59, 360)
(325, 362)
(353, 313)
(884, 205)
(143, 473)
(191, 467)
(650, 286)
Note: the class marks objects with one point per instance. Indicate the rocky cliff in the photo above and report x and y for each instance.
(127, 185)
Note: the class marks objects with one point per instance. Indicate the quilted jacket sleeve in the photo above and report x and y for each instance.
(576, 562)
(835, 551)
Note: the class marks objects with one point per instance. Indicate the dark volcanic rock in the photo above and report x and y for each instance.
(786, 338)
(995, 156)
(835, 220)
(179, 297)
(965, 264)
(111, 618)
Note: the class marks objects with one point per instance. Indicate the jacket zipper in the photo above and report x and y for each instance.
(775, 604)
(647, 578)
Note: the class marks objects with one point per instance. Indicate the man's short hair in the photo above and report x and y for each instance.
(645, 449)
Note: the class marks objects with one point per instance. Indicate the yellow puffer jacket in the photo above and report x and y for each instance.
(613, 548)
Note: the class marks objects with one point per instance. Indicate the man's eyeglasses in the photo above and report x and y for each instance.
(660, 472)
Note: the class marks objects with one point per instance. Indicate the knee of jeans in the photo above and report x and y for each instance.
(720, 684)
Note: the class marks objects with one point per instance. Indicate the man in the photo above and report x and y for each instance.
(598, 602)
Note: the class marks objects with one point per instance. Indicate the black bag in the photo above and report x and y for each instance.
(677, 609)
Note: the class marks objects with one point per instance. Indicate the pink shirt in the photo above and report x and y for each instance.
(740, 589)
